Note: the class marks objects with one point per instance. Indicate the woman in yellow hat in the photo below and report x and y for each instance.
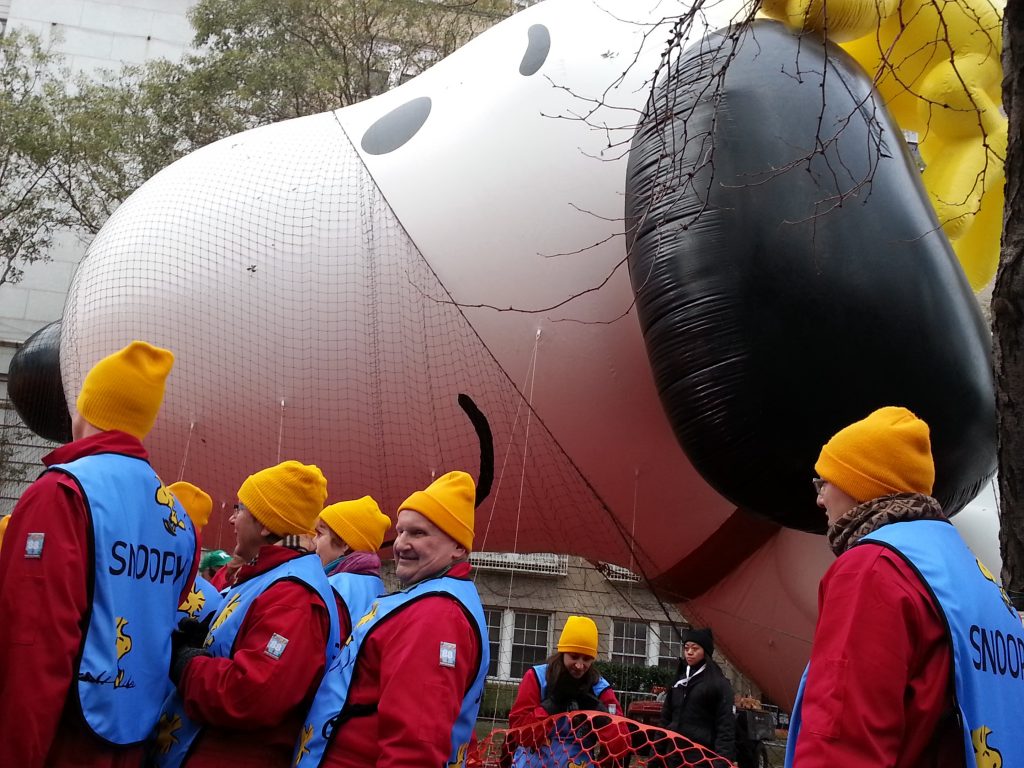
(566, 682)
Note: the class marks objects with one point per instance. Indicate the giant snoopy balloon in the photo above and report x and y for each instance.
(657, 382)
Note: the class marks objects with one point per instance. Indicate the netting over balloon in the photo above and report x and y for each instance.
(590, 739)
(335, 343)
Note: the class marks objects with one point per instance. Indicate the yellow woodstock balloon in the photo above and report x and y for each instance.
(938, 68)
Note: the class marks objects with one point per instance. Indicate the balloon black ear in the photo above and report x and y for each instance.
(35, 387)
(790, 275)
(483, 433)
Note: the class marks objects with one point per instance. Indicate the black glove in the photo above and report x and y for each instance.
(551, 707)
(189, 636)
(191, 633)
(586, 700)
(180, 660)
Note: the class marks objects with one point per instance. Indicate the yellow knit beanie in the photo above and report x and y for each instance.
(124, 390)
(3, 527)
(579, 635)
(359, 523)
(449, 503)
(888, 452)
(285, 499)
(197, 502)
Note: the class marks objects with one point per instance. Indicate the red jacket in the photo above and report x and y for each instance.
(527, 709)
(418, 699)
(879, 688)
(253, 704)
(43, 605)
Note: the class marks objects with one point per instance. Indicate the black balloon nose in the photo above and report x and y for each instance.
(35, 387)
(790, 274)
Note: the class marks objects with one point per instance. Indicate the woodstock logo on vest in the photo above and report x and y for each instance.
(140, 571)
(203, 599)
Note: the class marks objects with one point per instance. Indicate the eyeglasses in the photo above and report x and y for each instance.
(819, 485)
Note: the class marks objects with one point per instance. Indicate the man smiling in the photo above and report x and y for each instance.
(407, 687)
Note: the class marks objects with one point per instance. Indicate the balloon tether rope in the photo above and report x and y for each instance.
(184, 457)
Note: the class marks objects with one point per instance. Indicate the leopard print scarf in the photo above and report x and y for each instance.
(873, 514)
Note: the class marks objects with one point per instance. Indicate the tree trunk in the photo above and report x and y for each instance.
(1008, 316)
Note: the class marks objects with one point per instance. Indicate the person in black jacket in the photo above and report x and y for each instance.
(699, 705)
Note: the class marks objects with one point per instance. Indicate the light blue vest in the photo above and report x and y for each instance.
(329, 703)
(541, 670)
(143, 546)
(357, 591)
(175, 732)
(986, 635)
(203, 600)
(563, 750)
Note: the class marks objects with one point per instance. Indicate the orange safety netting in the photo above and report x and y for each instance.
(583, 739)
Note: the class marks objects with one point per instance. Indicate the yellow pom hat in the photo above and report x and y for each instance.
(888, 452)
(285, 499)
(358, 523)
(124, 390)
(579, 635)
(197, 502)
(449, 503)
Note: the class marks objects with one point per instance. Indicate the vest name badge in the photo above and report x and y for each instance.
(34, 545)
(276, 645)
(448, 653)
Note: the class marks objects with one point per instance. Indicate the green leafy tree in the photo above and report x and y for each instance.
(30, 211)
(259, 62)
(298, 57)
(116, 133)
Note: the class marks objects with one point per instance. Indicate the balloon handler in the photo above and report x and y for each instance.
(567, 682)
(244, 687)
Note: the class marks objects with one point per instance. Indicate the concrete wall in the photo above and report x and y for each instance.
(102, 34)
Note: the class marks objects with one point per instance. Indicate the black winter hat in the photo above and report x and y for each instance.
(701, 637)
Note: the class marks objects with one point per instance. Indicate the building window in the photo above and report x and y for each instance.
(493, 616)
(670, 647)
(629, 642)
(530, 641)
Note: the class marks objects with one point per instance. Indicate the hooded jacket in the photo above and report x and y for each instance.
(702, 710)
